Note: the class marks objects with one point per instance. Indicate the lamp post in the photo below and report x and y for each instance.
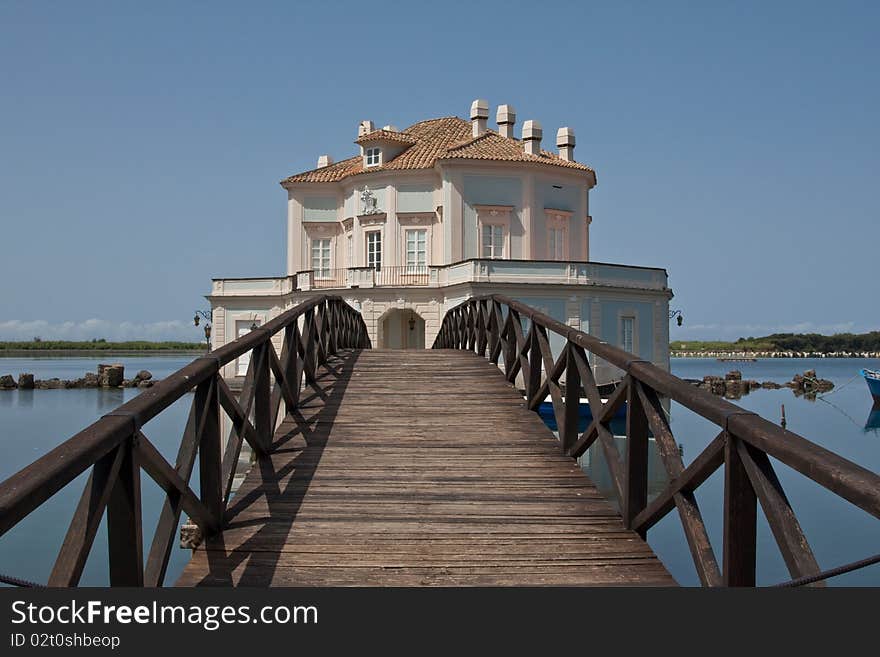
(207, 317)
(678, 316)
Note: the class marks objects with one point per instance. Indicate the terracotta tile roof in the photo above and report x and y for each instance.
(436, 139)
(385, 135)
(492, 146)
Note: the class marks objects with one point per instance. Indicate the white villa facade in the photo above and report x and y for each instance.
(423, 218)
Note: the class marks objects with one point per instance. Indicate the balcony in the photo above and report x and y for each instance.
(250, 287)
(544, 272)
(355, 277)
(485, 271)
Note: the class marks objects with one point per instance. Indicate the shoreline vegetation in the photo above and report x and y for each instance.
(783, 345)
(38, 347)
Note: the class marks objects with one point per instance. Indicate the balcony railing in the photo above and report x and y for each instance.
(467, 271)
(353, 277)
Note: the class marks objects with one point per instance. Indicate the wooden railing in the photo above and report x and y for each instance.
(116, 449)
(493, 326)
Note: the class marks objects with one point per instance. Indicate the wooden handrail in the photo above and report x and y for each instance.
(116, 449)
(493, 327)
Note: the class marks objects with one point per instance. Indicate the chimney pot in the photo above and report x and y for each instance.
(365, 127)
(532, 134)
(505, 117)
(479, 116)
(565, 142)
(324, 161)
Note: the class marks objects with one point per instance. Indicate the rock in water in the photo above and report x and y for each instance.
(111, 376)
(144, 375)
(26, 381)
(7, 382)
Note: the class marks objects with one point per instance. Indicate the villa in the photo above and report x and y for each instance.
(420, 219)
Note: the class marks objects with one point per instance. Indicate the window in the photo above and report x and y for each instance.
(416, 250)
(626, 333)
(374, 249)
(350, 242)
(493, 241)
(321, 257)
(373, 156)
(556, 243)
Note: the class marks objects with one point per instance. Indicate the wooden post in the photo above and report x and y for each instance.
(494, 330)
(534, 381)
(484, 328)
(309, 346)
(207, 403)
(262, 397)
(125, 542)
(740, 520)
(568, 434)
(636, 467)
(291, 338)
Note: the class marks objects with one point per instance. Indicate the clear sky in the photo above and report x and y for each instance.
(141, 144)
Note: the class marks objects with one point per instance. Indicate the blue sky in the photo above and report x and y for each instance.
(141, 144)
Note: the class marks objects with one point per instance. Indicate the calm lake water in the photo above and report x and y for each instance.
(33, 422)
(840, 421)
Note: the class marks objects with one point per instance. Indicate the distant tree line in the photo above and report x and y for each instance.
(100, 344)
(803, 342)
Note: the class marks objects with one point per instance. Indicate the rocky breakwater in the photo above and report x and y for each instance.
(107, 376)
(733, 386)
(809, 385)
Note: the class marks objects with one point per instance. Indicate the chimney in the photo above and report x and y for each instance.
(324, 161)
(505, 117)
(565, 143)
(364, 127)
(479, 116)
(531, 134)
(390, 128)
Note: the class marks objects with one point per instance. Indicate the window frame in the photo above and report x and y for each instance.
(372, 156)
(623, 318)
(415, 267)
(557, 243)
(494, 215)
(558, 220)
(495, 230)
(326, 271)
(376, 234)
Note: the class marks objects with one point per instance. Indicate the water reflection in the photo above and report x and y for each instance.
(594, 464)
(25, 398)
(872, 424)
(109, 397)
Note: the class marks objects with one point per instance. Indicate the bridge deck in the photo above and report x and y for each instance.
(409, 468)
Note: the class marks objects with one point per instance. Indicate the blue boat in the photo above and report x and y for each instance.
(873, 421)
(585, 416)
(872, 378)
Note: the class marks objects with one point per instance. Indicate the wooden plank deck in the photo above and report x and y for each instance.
(413, 468)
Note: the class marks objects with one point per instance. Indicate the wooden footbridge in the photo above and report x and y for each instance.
(414, 468)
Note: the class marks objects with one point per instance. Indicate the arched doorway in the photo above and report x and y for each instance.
(403, 329)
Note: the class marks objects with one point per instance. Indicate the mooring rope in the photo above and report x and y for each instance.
(833, 572)
(841, 411)
(839, 388)
(16, 581)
